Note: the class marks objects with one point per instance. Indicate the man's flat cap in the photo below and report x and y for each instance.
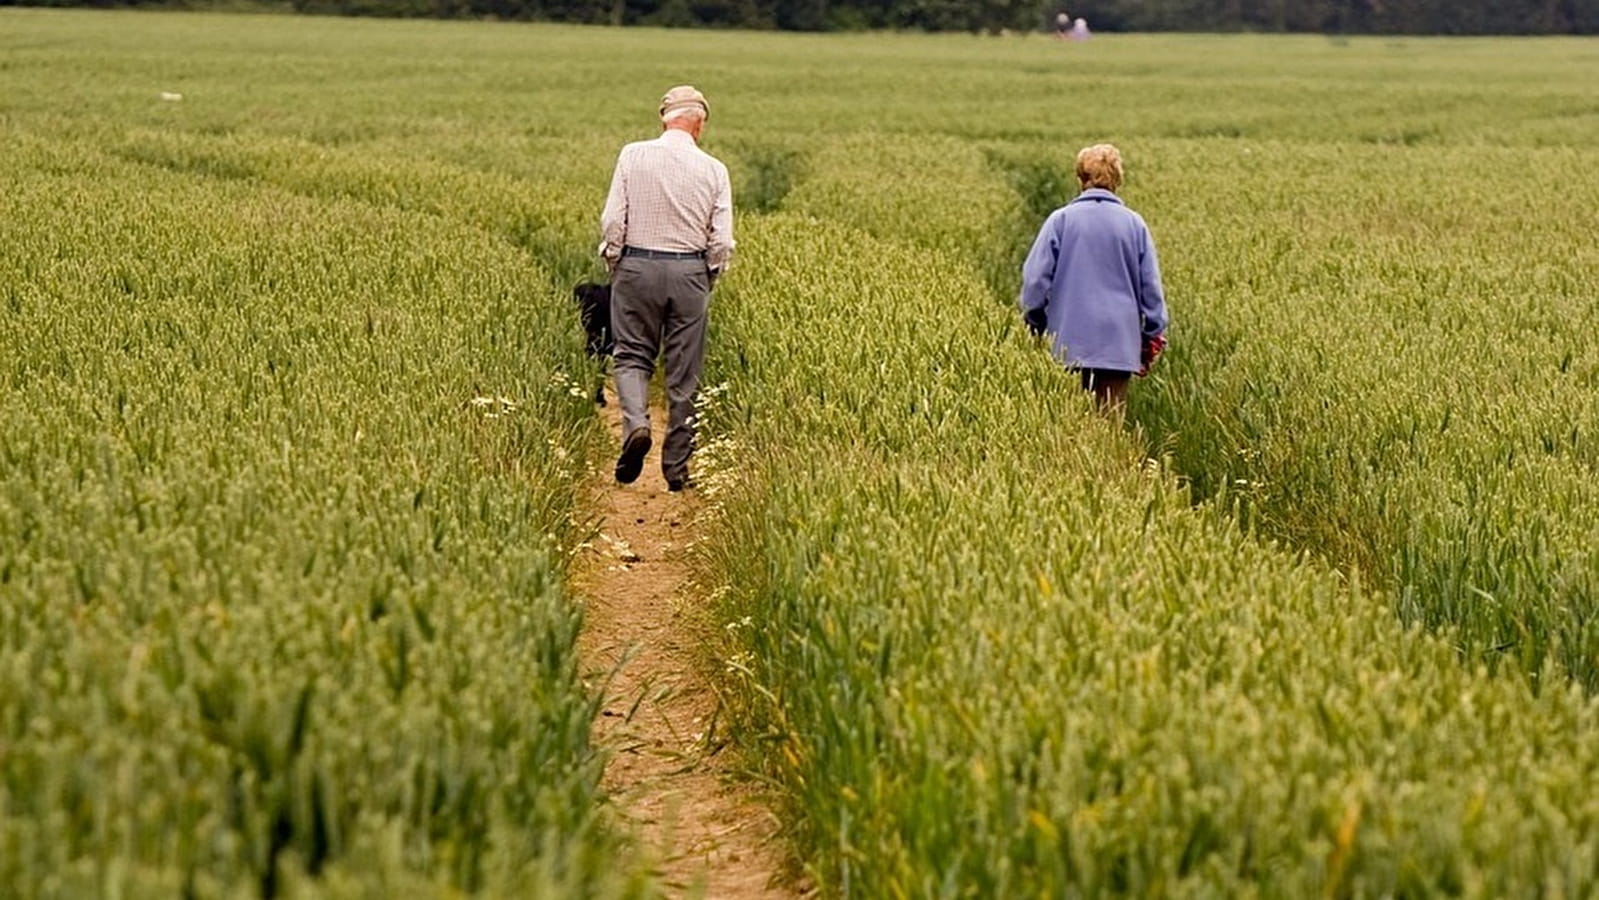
(682, 96)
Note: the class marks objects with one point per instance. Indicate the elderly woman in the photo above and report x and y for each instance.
(1091, 280)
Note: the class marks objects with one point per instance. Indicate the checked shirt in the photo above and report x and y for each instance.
(668, 194)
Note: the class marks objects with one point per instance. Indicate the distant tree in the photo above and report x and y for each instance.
(1332, 16)
(801, 15)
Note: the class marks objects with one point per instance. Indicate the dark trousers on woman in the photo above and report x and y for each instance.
(660, 304)
(1109, 387)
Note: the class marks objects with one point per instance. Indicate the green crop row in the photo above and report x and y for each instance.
(1389, 362)
(286, 500)
(991, 653)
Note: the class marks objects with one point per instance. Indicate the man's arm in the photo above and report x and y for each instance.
(719, 243)
(1038, 274)
(613, 221)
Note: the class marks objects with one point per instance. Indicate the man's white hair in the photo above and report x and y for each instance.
(684, 112)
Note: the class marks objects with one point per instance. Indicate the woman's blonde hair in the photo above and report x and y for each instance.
(1100, 166)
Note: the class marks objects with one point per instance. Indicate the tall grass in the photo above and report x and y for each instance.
(1387, 365)
(991, 654)
(1375, 359)
(287, 501)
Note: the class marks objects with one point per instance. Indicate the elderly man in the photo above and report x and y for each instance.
(666, 234)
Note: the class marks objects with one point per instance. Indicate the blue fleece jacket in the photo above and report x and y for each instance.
(1093, 273)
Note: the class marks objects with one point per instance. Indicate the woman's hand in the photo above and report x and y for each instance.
(1036, 321)
(1152, 350)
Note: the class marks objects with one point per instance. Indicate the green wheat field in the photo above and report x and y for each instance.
(294, 428)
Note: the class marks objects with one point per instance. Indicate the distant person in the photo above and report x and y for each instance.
(1080, 29)
(1063, 24)
(666, 234)
(1092, 282)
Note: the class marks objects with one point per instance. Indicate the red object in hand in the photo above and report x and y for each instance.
(1152, 350)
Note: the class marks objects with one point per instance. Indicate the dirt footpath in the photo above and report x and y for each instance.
(670, 769)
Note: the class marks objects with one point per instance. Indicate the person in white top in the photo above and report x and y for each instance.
(666, 234)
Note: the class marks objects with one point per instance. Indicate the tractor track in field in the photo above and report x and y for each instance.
(670, 770)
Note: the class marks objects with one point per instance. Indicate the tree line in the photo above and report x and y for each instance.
(1328, 16)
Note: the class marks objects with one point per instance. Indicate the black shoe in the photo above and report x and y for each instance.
(676, 485)
(631, 462)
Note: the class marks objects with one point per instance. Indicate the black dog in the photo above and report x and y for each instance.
(594, 308)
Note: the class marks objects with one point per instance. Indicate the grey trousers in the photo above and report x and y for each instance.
(660, 304)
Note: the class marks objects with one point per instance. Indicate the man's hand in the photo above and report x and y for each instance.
(1152, 350)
